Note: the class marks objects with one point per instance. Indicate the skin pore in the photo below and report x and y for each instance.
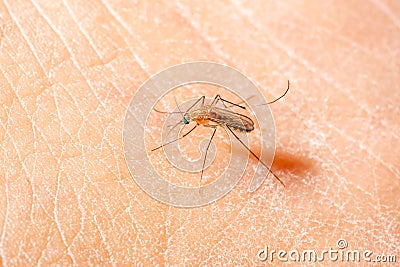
(69, 70)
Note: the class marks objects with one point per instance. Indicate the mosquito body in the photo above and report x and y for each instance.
(211, 116)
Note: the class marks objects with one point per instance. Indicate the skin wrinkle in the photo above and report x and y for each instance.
(197, 27)
(34, 127)
(92, 45)
(65, 3)
(82, 212)
(65, 44)
(55, 214)
(70, 51)
(13, 143)
(126, 28)
(312, 124)
(6, 180)
(354, 45)
(146, 71)
(312, 68)
(8, 122)
(69, 10)
(78, 109)
(29, 116)
(136, 35)
(385, 10)
(86, 120)
(105, 242)
(4, 227)
(55, 199)
(142, 64)
(15, 20)
(388, 69)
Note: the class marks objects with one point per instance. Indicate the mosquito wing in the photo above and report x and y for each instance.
(233, 120)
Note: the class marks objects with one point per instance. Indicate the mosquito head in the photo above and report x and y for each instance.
(185, 119)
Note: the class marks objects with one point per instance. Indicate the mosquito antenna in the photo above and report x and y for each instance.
(175, 139)
(173, 112)
(201, 98)
(256, 156)
(176, 102)
(176, 112)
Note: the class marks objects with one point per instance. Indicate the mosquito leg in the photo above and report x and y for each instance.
(273, 101)
(241, 102)
(176, 103)
(215, 100)
(232, 104)
(183, 136)
(205, 156)
(219, 98)
(197, 101)
(265, 165)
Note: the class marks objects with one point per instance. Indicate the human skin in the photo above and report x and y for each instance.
(69, 70)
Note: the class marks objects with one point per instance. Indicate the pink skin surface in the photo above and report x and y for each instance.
(70, 68)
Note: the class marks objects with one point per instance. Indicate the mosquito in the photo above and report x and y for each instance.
(211, 116)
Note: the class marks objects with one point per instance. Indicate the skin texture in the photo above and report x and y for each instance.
(70, 68)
